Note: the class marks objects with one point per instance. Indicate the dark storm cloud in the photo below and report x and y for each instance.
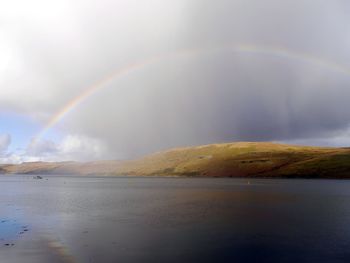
(184, 100)
(225, 97)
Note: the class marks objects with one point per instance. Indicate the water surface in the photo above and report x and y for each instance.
(75, 219)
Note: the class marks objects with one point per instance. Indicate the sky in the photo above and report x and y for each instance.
(117, 79)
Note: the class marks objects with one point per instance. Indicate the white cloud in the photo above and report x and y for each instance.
(72, 147)
(55, 49)
(41, 148)
(80, 147)
(5, 141)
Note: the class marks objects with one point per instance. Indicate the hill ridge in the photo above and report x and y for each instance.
(234, 159)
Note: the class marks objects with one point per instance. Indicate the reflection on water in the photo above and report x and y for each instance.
(90, 219)
(11, 225)
(60, 250)
(9, 228)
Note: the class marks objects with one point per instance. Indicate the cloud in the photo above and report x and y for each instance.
(71, 147)
(80, 147)
(55, 49)
(337, 139)
(52, 51)
(5, 141)
(226, 97)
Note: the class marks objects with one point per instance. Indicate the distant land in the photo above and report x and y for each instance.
(239, 159)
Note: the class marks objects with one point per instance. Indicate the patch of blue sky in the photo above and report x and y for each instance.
(23, 129)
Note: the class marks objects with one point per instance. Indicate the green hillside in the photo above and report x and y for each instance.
(245, 159)
(241, 159)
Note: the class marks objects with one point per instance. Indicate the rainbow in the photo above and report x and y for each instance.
(60, 250)
(243, 48)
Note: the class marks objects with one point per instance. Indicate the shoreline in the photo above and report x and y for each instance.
(46, 176)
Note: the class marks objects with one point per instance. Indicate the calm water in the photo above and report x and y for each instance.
(71, 219)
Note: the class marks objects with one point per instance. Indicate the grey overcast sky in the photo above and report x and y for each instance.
(210, 71)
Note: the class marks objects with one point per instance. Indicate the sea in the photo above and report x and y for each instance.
(155, 219)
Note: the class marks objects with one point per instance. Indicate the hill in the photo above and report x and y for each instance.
(240, 159)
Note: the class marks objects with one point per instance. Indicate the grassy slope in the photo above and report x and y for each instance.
(242, 159)
(245, 159)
